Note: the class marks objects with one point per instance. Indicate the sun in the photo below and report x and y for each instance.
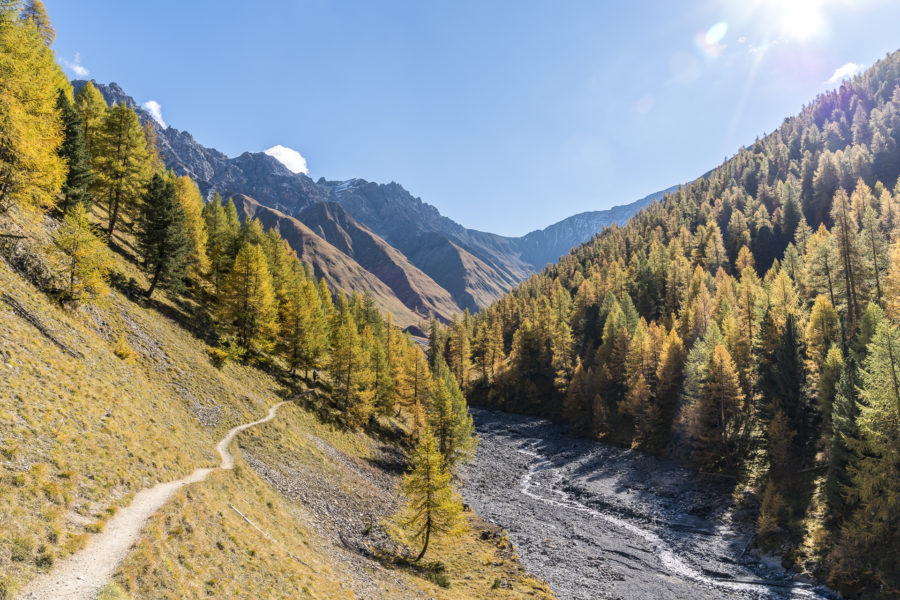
(802, 19)
(799, 20)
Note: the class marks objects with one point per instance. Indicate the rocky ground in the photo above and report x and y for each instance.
(596, 521)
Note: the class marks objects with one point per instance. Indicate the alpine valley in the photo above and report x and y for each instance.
(375, 238)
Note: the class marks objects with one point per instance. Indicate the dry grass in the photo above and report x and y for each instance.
(126, 397)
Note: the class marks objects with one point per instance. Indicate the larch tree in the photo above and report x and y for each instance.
(717, 419)
(92, 108)
(449, 418)
(892, 284)
(822, 264)
(121, 165)
(661, 413)
(76, 188)
(433, 507)
(191, 202)
(247, 304)
(850, 257)
(349, 366)
(163, 238)
(31, 170)
(222, 232)
(303, 333)
(86, 263)
(875, 249)
(459, 352)
(34, 13)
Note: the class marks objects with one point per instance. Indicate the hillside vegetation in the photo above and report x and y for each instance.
(138, 325)
(746, 324)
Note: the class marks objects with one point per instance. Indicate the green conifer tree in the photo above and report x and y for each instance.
(163, 238)
(73, 151)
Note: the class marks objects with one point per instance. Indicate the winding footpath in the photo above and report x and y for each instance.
(83, 575)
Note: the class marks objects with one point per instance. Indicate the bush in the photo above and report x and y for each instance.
(124, 350)
(439, 579)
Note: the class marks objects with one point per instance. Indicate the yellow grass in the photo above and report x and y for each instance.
(136, 400)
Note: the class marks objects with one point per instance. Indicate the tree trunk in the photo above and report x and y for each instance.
(427, 537)
(153, 283)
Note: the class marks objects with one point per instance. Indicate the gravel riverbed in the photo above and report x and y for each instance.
(600, 522)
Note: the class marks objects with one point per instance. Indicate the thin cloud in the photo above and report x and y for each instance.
(289, 157)
(75, 66)
(845, 72)
(153, 107)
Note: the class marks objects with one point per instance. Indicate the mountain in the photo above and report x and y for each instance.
(547, 245)
(430, 265)
(388, 275)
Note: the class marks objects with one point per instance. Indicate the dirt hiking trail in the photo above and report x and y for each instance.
(82, 575)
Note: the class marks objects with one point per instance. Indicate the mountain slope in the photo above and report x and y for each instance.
(547, 245)
(474, 267)
(415, 289)
(87, 421)
(342, 272)
(748, 325)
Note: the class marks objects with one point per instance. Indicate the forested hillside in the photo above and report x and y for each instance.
(138, 323)
(746, 324)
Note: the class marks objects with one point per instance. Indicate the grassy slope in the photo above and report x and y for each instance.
(80, 434)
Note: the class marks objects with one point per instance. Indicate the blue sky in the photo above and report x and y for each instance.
(507, 116)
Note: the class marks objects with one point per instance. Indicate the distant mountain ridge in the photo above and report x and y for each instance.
(415, 257)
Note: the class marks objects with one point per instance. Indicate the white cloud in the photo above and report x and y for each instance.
(75, 66)
(845, 72)
(289, 157)
(153, 107)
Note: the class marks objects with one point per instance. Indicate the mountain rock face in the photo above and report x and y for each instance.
(365, 236)
(548, 245)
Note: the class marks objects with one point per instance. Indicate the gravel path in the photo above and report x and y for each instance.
(83, 575)
(596, 521)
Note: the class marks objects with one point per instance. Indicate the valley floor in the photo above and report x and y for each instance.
(596, 521)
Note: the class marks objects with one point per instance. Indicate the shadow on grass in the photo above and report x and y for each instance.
(433, 571)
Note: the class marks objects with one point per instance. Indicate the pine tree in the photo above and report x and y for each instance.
(92, 108)
(192, 206)
(869, 544)
(86, 262)
(121, 164)
(35, 14)
(162, 236)
(844, 435)
(782, 382)
(433, 506)
(31, 170)
(73, 151)
(247, 305)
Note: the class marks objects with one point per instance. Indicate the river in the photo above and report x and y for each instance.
(600, 522)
